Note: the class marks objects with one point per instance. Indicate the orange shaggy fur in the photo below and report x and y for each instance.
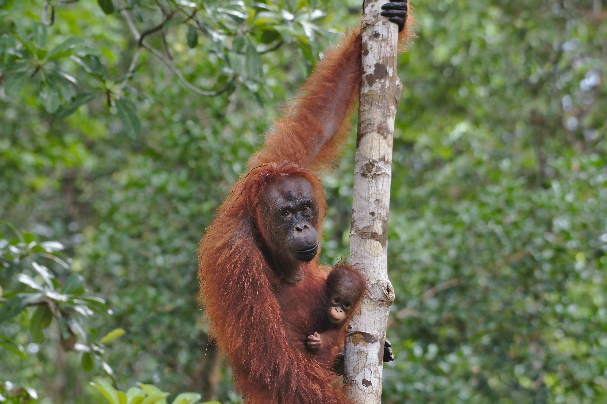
(243, 298)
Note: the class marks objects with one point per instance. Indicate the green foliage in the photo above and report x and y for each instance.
(38, 291)
(497, 229)
(11, 394)
(144, 394)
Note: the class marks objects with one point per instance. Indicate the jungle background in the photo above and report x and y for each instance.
(124, 123)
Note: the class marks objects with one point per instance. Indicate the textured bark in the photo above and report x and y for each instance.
(380, 92)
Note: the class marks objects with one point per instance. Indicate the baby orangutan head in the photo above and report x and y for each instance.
(344, 290)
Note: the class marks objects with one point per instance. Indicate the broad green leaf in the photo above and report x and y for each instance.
(29, 281)
(107, 6)
(86, 361)
(52, 246)
(135, 395)
(107, 390)
(50, 98)
(40, 320)
(155, 398)
(12, 346)
(150, 389)
(107, 369)
(112, 335)
(187, 398)
(238, 15)
(44, 272)
(254, 67)
(128, 115)
(192, 36)
(12, 307)
(73, 284)
(14, 83)
(75, 103)
(269, 35)
(186, 3)
(64, 49)
(90, 63)
(6, 42)
(238, 44)
(39, 35)
(28, 237)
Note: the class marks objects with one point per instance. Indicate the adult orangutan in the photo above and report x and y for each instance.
(261, 285)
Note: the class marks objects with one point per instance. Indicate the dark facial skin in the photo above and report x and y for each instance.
(290, 218)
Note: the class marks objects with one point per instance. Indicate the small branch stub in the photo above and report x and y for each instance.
(379, 95)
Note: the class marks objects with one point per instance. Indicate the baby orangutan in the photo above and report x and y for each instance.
(343, 290)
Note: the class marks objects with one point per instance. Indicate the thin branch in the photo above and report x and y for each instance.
(273, 48)
(44, 14)
(158, 27)
(161, 7)
(430, 293)
(165, 43)
(167, 62)
(268, 50)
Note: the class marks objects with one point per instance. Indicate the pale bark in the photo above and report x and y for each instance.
(379, 95)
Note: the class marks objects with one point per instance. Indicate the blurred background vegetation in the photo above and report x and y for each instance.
(124, 123)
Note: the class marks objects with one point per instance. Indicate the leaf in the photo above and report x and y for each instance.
(86, 361)
(239, 16)
(253, 62)
(15, 83)
(107, 390)
(40, 320)
(90, 63)
(76, 102)
(155, 398)
(39, 35)
(28, 237)
(73, 284)
(187, 398)
(150, 389)
(12, 307)
(44, 272)
(269, 35)
(112, 335)
(107, 6)
(238, 43)
(107, 369)
(128, 115)
(52, 246)
(11, 346)
(64, 49)
(192, 36)
(50, 98)
(186, 3)
(29, 281)
(134, 395)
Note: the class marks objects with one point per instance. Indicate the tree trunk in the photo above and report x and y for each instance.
(380, 92)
